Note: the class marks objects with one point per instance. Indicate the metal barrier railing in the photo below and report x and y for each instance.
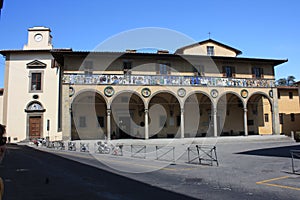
(71, 146)
(295, 154)
(102, 147)
(117, 150)
(59, 145)
(138, 151)
(165, 153)
(84, 147)
(203, 153)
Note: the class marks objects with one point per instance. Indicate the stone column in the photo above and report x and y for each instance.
(275, 113)
(146, 125)
(245, 121)
(66, 113)
(108, 125)
(215, 121)
(182, 122)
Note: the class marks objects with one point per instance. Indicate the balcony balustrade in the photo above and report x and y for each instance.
(164, 80)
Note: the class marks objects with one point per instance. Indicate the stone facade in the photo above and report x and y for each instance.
(203, 89)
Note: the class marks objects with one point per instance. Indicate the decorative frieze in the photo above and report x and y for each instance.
(100, 79)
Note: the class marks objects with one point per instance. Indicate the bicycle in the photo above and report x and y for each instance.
(103, 148)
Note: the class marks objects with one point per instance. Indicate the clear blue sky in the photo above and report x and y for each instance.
(260, 28)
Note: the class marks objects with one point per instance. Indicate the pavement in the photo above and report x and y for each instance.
(249, 168)
(32, 174)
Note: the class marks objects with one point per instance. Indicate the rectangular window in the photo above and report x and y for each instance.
(88, 73)
(278, 95)
(127, 65)
(291, 95)
(257, 72)
(163, 68)
(100, 121)
(198, 70)
(229, 71)
(281, 118)
(88, 68)
(210, 51)
(36, 81)
(82, 121)
(292, 117)
(266, 117)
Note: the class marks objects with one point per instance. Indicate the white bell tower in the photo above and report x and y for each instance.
(39, 38)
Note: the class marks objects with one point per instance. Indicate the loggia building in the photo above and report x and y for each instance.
(206, 89)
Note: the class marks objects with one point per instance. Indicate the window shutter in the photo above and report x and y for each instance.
(224, 71)
(168, 69)
(261, 72)
(53, 62)
(124, 67)
(202, 70)
(233, 72)
(157, 68)
(253, 72)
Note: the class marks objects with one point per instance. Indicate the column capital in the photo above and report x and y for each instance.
(182, 110)
(214, 107)
(215, 110)
(146, 110)
(108, 111)
(245, 110)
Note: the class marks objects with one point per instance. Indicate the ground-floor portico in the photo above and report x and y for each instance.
(122, 112)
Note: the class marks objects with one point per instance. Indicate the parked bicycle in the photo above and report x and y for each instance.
(84, 147)
(60, 145)
(117, 150)
(71, 146)
(103, 147)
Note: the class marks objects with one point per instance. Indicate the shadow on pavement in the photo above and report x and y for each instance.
(34, 175)
(274, 152)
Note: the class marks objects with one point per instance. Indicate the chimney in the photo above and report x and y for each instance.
(162, 51)
(130, 51)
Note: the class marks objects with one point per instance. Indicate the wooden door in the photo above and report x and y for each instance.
(35, 127)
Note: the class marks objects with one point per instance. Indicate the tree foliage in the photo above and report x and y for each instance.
(289, 81)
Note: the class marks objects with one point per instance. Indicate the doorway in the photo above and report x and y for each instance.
(35, 127)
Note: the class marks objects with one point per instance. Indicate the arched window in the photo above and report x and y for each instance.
(35, 106)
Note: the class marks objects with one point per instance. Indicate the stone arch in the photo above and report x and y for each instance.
(165, 91)
(165, 115)
(128, 115)
(90, 90)
(230, 108)
(259, 113)
(263, 94)
(198, 92)
(233, 93)
(198, 114)
(35, 106)
(126, 91)
(88, 115)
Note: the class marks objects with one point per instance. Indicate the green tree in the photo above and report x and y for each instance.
(290, 80)
(281, 82)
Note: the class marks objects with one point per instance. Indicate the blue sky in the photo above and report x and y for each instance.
(260, 28)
